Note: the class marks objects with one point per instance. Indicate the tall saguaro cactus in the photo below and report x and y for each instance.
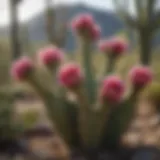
(16, 50)
(56, 30)
(145, 22)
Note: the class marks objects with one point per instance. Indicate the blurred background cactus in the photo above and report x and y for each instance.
(145, 22)
(56, 27)
(14, 30)
(26, 45)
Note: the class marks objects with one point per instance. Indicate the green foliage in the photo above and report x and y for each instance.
(4, 61)
(29, 118)
(5, 115)
(152, 94)
(8, 127)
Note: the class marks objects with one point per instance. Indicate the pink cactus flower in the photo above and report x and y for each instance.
(50, 56)
(22, 68)
(71, 76)
(105, 46)
(140, 76)
(82, 22)
(119, 46)
(86, 27)
(112, 89)
(113, 46)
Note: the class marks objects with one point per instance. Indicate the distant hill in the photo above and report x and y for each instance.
(109, 22)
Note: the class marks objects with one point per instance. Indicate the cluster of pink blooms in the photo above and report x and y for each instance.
(112, 89)
(21, 68)
(115, 46)
(85, 26)
(140, 76)
(70, 75)
(50, 56)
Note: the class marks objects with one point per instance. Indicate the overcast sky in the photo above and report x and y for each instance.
(28, 8)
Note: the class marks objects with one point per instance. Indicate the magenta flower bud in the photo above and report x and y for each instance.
(51, 56)
(71, 76)
(22, 68)
(140, 76)
(113, 46)
(82, 22)
(119, 46)
(112, 89)
(85, 26)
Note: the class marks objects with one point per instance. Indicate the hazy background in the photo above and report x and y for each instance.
(29, 8)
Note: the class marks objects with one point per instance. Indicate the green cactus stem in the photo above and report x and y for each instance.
(72, 112)
(53, 71)
(110, 64)
(68, 109)
(92, 120)
(119, 120)
(56, 109)
(96, 124)
(83, 114)
(145, 37)
(88, 68)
